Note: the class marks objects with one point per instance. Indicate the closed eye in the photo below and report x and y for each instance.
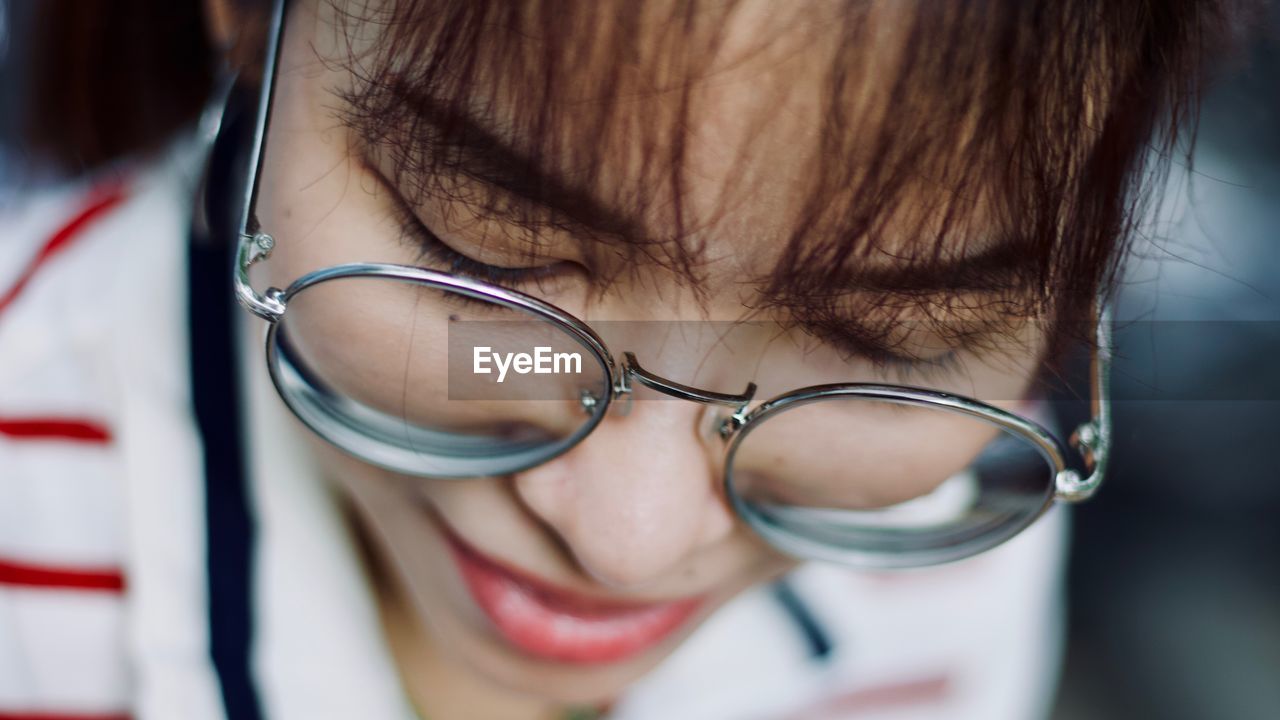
(900, 368)
(896, 367)
(908, 370)
(441, 255)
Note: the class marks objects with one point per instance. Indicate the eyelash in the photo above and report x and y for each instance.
(440, 254)
(907, 370)
(900, 369)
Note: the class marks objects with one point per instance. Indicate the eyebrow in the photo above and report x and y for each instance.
(485, 156)
(1000, 266)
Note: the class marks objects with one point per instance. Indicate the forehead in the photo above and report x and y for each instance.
(697, 114)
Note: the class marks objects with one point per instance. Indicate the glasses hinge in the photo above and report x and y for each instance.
(269, 305)
(1091, 442)
(728, 426)
(621, 401)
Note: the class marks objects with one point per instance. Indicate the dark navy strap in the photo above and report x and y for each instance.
(815, 636)
(230, 526)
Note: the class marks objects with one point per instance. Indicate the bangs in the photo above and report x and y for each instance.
(877, 149)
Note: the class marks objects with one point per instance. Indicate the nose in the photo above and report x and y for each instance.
(637, 498)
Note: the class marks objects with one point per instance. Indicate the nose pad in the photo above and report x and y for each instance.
(637, 498)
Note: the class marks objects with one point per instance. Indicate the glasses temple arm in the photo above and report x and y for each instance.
(248, 218)
(252, 244)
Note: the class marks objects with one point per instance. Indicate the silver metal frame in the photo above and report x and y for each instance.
(1091, 439)
(1048, 446)
(406, 461)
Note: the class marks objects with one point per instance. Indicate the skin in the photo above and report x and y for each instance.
(611, 518)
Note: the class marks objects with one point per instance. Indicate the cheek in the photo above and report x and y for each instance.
(405, 351)
(367, 339)
(406, 543)
(855, 454)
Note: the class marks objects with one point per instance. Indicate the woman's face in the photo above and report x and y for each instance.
(570, 580)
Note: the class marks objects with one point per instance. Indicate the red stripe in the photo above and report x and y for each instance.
(69, 578)
(75, 430)
(100, 200)
(59, 716)
(931, 689)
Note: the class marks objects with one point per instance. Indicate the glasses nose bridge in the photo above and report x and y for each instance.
(632, 370)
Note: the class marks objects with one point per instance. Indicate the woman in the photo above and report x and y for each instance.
(885, 221)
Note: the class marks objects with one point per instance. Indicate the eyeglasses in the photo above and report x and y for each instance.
(864, 474)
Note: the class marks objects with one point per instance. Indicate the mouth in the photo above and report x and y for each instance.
(557, 624)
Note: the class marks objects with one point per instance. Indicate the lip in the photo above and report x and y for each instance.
(557, 624)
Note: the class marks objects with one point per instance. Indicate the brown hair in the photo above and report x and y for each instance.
(1056, 117)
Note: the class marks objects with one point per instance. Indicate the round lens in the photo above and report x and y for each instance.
(428, 378)
(874, 482)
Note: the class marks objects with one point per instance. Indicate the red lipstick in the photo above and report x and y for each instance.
(558, 624)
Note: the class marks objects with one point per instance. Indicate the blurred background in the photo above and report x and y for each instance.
(1175, 573)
